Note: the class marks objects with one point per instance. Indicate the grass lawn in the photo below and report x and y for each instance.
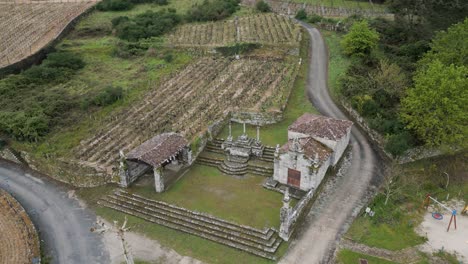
(344, 3)
(349, 257)
(298, 104)
(338, 63)
(206, 189)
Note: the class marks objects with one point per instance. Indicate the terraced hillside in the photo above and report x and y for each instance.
(27, 27)
(202, 93)
(19, 242)
(261, 28)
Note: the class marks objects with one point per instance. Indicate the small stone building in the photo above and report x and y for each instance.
(314, 144)
(156, 153)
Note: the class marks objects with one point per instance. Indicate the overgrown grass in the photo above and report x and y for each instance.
(298, 104)
(345, 4)
(337, 62)
(349, 257)
(393, 226)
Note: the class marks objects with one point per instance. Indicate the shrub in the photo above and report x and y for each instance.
(148, 24)
(263, 6)
(301, 14)
(397, 144)
(361, 40)
(110, 95)
(238, 48)
(314, 18)
(168, 58)
(114, 5)
(212, 10)
(65, 60)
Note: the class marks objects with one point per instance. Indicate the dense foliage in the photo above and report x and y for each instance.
(29, 107)
(110, 95)
(145, 25)
(263, 6)
(120, 5)
(360, 40)
(212, 10)
(237, 49)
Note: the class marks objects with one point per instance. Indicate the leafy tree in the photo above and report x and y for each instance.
(301, 14)
(360, 40)
(212, 10)
(389, 82)
(435, 108)
(263, 6)
(450, 47)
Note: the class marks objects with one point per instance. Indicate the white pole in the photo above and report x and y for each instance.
(433, 199)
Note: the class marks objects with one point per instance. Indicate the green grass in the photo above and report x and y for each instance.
(349, 257)
(298, 104)
(206, 189)
(344, 3)
(338, 63)
(393, 226)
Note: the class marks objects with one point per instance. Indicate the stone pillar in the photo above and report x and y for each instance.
(285, 217)
(244, 129)
(123, 171)
(189, 156)
(258, 133)
(276, 167)
(158, 179)
(230, 131)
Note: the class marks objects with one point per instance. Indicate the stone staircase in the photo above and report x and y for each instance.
(268, 154)
(215, 146)
(263, 243)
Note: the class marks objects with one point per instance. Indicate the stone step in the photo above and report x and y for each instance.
(174, 216)
(264, 234)
(232, 173)
(267, 159)
(187, 226)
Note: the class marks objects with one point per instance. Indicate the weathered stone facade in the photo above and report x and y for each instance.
(314, 144)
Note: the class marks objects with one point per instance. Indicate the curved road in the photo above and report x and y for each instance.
(332, 213)
(63, 224)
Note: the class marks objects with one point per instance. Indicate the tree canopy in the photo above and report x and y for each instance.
(360, 40)
(435, 108)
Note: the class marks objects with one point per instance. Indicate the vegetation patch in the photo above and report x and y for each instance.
(212, 10)
(349, 257)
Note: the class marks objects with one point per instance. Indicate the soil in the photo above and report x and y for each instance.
(453, 241)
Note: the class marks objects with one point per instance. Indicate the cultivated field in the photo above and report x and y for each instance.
(27, 27)
(261, 28)
(203, 92)
(18, 240)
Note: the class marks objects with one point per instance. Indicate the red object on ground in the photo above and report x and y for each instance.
(437, 216)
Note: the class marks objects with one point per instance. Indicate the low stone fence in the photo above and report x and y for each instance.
(256, 118)
(289, 217)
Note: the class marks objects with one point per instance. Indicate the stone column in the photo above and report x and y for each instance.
(285, 217)
(230, 131)
(244, 129)
(258, 133)
(158, 179)
(123, 171)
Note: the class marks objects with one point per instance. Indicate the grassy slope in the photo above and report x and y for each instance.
(338, 63)
(394, 229)
(298, 104)
(350, 257)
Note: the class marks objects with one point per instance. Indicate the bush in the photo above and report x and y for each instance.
(110, 95)
(263, 6)
(65, 60)
(361, 40)
(212, 10)
(238, 48)
(114, 5)
(397, 144)
(301, 14)
(314, 18)
(148, 24)
(168, 58)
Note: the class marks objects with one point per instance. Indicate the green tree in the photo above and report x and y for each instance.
(360, 40)
(450, 46)
(436, 107)
(263, 6)
(301, 14)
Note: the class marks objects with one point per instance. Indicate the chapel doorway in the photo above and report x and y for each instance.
(294, 178)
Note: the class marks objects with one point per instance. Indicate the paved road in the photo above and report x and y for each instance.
(62, 223)
(343, 197)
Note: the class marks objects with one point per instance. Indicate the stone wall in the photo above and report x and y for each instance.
(255, 118)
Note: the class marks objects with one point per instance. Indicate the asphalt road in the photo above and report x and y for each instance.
(344, 196)
(62, 223)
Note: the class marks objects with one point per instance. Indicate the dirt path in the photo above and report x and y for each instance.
(63, 223)
(343, 197)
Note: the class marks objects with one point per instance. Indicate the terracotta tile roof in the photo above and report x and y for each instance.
(321, 126)
(158, 149)
(311, 149)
